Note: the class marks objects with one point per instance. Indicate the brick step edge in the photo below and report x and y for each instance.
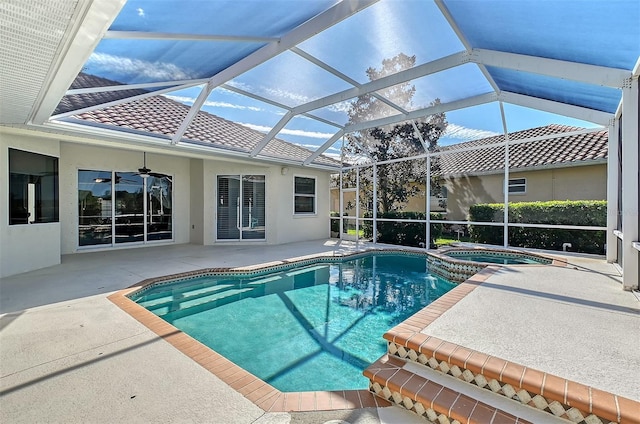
(430, 400)
(561, 397)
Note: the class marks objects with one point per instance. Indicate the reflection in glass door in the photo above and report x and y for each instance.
(123, 207)
(129, 209)
(241, 207)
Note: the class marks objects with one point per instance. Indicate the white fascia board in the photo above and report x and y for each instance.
(421, 113)
(419, 71)
(101, 136)
(591, 74)
(315, 25)
(91, 22)
(585, 114)
(142, 35)
(176, 84)
(324, 147)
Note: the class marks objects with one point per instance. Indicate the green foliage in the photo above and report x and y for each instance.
(569, 212)
(393, 141)
(403, 233)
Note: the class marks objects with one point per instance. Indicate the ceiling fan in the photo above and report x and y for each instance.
(144, 172)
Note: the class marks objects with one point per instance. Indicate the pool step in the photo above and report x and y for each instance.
(202, 302)
(169, 298)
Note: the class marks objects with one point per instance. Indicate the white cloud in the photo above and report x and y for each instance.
(191, 100)
(124, 66)
(300, 133)
(140, 12)
(459, 132)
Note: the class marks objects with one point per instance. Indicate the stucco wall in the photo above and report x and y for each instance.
(571, 183)
(282, 226)
(74, 157)
(29, 246)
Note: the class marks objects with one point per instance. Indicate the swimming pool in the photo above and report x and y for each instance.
(312, 327)
(496, 257)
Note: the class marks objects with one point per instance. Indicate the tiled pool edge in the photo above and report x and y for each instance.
(256, 390)
(251, 387)
(544, 391)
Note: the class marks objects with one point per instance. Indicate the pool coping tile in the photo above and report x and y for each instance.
(409, 334)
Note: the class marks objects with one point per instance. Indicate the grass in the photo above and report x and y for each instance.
(443, 241)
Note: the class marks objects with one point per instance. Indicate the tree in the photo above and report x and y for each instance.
(393, 141)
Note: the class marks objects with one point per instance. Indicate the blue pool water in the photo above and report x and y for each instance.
(310, 328)
(497, 258)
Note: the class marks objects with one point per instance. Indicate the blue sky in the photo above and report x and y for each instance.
(383, 30)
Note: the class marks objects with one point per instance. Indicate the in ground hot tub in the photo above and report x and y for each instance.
(500, 257)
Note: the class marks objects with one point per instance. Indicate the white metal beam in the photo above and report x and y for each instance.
(317, 24)
(324, 147)
(142, 35)
(591, 74)
(343, 77)
(612, 191)
(115, 102)
(585, 114)
(454, 25)
(420, 113)
(438, 65)
(630, 189)
(141, 86)
(275, 130)
(92, 21)
(277, 104)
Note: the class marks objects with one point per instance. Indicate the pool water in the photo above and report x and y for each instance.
(311, 328)
(496, 258)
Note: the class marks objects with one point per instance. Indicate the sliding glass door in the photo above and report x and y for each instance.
(123, 207)
(241, 207)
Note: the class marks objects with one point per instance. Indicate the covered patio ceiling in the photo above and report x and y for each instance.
(287, 67)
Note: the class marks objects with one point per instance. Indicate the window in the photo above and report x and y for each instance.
(241, 207)
(33, 188)
(123, 207)
(518, 185)
(304, 195)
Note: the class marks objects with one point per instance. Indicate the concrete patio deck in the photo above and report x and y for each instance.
(67, 354)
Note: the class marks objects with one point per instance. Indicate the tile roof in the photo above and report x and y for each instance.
(163, 116)
(554, 152)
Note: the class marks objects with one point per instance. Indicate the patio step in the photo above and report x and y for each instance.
(436, 400)
(550, 394)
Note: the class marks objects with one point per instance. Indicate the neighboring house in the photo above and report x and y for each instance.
(104, 201)
(571, 167)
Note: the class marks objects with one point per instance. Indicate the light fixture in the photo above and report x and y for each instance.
(284, 170)
(144, 171)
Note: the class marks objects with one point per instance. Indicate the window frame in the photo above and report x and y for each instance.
(35, 189)
(512, 184)
(314, 196)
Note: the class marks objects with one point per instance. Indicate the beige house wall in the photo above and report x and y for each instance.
(570, 183)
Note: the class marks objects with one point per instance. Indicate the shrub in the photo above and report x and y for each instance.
(402, 233)
(569, 212)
